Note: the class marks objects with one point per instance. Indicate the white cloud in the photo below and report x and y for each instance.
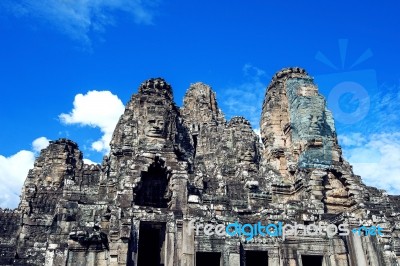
(13, 171)
(100, 109)
(375, 158)
(246, 99)
(352, 139)
(40, 144)
(78, 19)
(88, 161)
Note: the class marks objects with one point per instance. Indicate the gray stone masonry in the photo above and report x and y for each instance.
(170, 168)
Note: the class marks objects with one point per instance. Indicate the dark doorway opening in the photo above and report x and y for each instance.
(256, 258)
(153, 188)
(151, 244)
(311, 260)
(208, 259)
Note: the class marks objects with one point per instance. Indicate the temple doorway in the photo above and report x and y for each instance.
(256, 258)
(311, 260)
(151, 250)
(208, 258)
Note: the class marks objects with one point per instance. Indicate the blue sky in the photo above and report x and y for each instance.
(66, 70)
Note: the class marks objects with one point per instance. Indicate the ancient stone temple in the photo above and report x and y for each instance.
(173, 173)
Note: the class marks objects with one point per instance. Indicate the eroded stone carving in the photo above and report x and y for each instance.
(170, 165)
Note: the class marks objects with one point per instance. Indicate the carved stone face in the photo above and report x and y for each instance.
(155, 127)
(247, 153)
(156, 118)
(315, 128)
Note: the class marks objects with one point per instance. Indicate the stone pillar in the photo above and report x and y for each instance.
(273, 258)
(234, 259)
(289, 258)
(102, 258)
(188, 253)
(372, 255)
(357, 251)
(90, 259)
(122, 253)
(179, 242)
(170, 244)
(134, 241)
(336, 260)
